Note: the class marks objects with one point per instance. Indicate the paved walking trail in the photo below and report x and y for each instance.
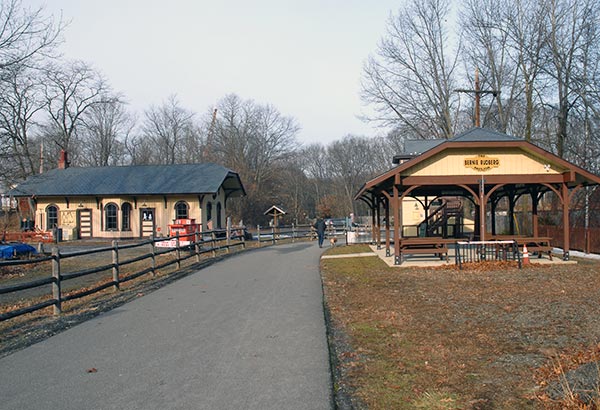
(245, 333)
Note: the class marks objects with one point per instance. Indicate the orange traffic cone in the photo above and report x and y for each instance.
(525, 255)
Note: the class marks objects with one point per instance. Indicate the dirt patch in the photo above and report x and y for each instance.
(448, 339)
(349, 249)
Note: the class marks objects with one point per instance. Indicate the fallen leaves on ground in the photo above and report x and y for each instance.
(478, 338)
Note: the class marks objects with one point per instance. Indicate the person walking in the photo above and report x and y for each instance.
(320, 228)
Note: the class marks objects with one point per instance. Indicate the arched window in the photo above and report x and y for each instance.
(126, 216)
(181, 210)
(51, 216)
(110, 217)
(219, 223)
(208, 211)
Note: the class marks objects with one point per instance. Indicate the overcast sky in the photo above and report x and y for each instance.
(304, 57)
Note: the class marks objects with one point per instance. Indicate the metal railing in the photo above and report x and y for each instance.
(486, 251)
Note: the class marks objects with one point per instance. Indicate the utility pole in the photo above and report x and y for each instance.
(42, 157)
(478, 92)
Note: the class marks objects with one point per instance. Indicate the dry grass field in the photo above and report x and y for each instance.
(488, 337)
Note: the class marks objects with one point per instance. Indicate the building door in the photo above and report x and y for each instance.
(84, 223)
(147, 222)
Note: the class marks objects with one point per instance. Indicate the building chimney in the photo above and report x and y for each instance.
(63, 161)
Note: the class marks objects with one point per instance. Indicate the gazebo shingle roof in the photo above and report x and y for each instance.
(413, 148)
(482, 134)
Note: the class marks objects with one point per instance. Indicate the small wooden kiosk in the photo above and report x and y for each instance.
(481, 166)
(275, 212)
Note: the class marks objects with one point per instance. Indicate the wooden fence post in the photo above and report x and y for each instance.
(56, 293)
(153, 243)
(213, 243)
(228, 233)
(115, 268)
(258, 234)
(273, 234)
(197, 245)
(588, 241)
(177, 251)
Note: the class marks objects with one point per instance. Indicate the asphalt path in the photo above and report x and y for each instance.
(247, 332)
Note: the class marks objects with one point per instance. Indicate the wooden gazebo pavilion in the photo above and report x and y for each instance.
(480, 165)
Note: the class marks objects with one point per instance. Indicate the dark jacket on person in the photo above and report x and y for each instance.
(320, 226)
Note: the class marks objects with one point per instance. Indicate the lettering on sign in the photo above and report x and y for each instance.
(482, 163)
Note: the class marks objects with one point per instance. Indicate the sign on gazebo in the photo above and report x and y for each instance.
(482, 163)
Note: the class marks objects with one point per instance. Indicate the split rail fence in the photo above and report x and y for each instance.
(186, 247)
(181, 247)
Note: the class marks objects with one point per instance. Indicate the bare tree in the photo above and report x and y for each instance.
(25, 33)
(315, 167)
(233, 131)
(104, 130)
(293, 190)
(411, 80)
(568, 34)
(138, 150)
(525, 26)
(254, 140)
(20, 101)
(27, 36)
(487, 48)
(352, 161)
(274, 142)
(71, 89)
(167, 127)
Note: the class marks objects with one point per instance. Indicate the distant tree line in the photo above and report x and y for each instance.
(49, 103)
(542, 56)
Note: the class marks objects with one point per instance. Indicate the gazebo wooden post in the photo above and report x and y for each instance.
(387, 226)
(373, 220)
(397, 221)
(535, 199)
(565, 200)
(378, 219)
(482, 209)
(494, 204)
(511, 213)
(426, 207)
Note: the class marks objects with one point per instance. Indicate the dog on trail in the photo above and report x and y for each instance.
(333, 241)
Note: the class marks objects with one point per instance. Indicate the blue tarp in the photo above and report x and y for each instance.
(12, 250)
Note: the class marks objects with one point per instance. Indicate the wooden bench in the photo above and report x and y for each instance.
(425, 246)
(538, 244)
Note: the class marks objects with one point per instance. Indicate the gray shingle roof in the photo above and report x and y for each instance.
(132, 180)
(413, 148)
(417, 147)
(482, 134)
